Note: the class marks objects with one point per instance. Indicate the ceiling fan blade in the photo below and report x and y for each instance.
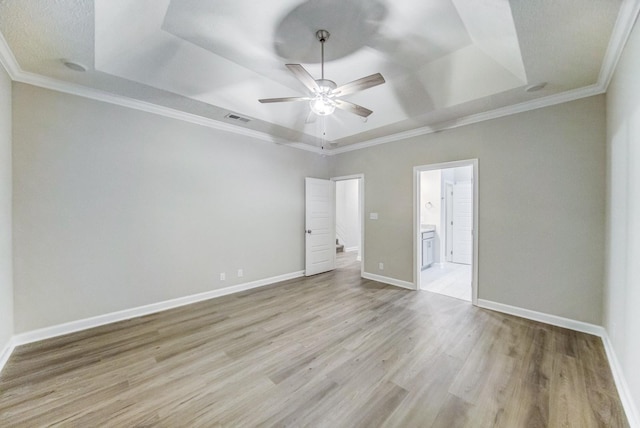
(284, 100)
(352, 108)
(359, 85)
(304, 77)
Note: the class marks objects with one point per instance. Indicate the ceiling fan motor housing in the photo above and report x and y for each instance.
(326, 85)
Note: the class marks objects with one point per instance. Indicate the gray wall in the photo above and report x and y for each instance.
(6, 258)
(116, 208)
(622, 285)
(542, 198)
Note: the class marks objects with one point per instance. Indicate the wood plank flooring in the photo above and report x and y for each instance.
(332, 350)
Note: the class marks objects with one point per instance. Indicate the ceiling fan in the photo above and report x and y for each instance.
(325, 94)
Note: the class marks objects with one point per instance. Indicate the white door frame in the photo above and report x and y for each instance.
(416, 221)
(360, 178)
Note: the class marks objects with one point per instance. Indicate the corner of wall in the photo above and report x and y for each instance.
(621, 296)
(6, 224)
(621, 384)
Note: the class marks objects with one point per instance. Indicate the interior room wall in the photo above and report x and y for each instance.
(347, 213)
(431, 192)
(541, 205)
(622, 282)
(116, 208)
(6, 257)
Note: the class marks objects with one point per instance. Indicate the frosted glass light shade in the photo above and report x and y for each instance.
(322, 106)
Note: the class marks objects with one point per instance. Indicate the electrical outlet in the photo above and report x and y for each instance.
(223, 276)
(381, 266)
(240, 273)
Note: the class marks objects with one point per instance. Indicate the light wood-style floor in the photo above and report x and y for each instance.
(331, 350)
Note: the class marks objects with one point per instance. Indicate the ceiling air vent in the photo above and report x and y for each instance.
(236, 117)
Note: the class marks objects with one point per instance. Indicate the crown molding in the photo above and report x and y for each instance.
(99, 95)
(551, 100)
(8, 60)
(627, 16)
(625, 21)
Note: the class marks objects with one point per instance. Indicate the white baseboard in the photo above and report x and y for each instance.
(83, 324)
(74, 326)
(350, 249)
(621, 384)
(6, 353)
(618, 375)
(390, 281)
(542, 317)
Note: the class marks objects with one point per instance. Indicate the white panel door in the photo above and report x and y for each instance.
(462, 223)
(449, 220)
(320, 232)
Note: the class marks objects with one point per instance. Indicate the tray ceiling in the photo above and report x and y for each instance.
(443, 60)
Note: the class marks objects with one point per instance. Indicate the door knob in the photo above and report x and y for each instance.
(308, 231)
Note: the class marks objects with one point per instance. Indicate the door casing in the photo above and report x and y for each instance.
(416, 221)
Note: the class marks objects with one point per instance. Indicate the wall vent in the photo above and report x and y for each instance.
(236, 117)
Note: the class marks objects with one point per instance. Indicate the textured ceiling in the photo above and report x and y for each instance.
(442, 59)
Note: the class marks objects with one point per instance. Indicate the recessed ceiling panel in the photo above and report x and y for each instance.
(353, 23)
(227, 30)
(441, 59)
(491, 27)
(218, 53)
(416, 33)
(131, 44)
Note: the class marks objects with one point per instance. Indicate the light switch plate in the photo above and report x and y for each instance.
(373, 216)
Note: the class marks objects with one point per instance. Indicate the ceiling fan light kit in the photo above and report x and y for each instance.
(323, 98)
(322, 104)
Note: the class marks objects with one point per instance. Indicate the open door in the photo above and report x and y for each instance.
(320, 228)
(462, 244)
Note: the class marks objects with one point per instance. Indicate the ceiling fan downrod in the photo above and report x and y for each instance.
(322, 36)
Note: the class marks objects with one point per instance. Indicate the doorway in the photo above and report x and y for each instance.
(446, 201)
(349, 219)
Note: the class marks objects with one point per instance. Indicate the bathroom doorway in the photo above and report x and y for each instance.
(446, 225)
